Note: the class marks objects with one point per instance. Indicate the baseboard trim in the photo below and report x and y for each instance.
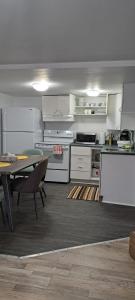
(71, 248)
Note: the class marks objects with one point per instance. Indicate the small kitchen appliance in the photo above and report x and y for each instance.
(126, 138)
(86, 138)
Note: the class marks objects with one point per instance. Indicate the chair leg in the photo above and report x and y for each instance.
(41, 195)
(2, 213)
(44, 192)
(35, 205)
(18, 199)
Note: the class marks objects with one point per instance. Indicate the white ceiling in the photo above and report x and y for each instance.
(42, 34)
(43, 31)
(65, 80)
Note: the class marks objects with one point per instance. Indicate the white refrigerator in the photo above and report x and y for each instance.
(22, 128)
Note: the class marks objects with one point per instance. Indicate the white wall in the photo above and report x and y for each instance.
(28, 102)
(85, 124)
(6, 100)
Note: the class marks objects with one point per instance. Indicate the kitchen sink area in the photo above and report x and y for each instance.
(115, 149)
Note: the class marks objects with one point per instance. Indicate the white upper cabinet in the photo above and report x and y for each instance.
(128, 98)
(58, 108)
(128, 107)
(114, 112)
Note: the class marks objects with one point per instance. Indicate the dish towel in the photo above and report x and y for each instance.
(57, 150)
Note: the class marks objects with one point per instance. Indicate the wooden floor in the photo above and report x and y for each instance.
(63, 223)
(95, 272)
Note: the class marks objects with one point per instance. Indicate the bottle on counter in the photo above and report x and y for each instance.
(102, 138)
(110, 139)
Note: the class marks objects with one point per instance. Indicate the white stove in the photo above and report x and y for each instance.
(58, 164)
(58, 136)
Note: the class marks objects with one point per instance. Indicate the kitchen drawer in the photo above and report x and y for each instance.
(80, 163)
(76, 150)
(80, 175)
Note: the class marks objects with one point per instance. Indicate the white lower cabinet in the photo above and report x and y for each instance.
(117, 184)
(80, 163)
(80, 175)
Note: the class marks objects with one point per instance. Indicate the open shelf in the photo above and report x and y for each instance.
(90, 115)
(90, 107)
(95, 178)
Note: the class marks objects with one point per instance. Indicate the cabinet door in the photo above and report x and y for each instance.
(57, 108)
(128, 97)
(128, 121)
(114, 112)
(80, 175)
(117, 179)
(80, 163)
(55, 105)
(84, 151)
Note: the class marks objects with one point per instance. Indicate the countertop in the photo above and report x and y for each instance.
(116, 151)
(87, 145)
(106, 149)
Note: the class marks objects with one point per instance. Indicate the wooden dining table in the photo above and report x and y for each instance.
(6, 173)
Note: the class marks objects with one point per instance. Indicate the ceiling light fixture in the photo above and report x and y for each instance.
(93, 93)
(40, 86)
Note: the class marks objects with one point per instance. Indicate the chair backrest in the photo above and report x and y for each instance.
(33, 152)
(32, 182)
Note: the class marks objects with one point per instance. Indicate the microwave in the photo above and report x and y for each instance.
(86, 138)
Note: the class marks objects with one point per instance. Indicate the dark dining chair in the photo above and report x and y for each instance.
(28, 170)
(1, 204)
(31, 184)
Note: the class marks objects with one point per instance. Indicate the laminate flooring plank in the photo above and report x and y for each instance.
(86, 273)
(63, 223)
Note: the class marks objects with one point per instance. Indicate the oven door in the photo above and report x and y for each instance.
(57, 161)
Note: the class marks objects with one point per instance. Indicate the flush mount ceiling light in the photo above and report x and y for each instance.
(93, 93)
(40, 86)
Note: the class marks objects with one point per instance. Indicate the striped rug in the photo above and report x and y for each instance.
(84, 192)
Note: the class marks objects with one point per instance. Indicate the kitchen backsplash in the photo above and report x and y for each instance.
(80, 124)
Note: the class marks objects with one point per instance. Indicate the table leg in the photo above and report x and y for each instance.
(7, 199)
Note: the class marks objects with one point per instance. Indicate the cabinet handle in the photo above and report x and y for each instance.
(100, 162)
(80, 167)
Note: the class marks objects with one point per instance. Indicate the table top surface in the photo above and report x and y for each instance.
(22, 164)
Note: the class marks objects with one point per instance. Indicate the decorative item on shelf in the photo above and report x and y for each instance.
(95, 172)
(92, 112)
(102, 138)
(110, 139)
